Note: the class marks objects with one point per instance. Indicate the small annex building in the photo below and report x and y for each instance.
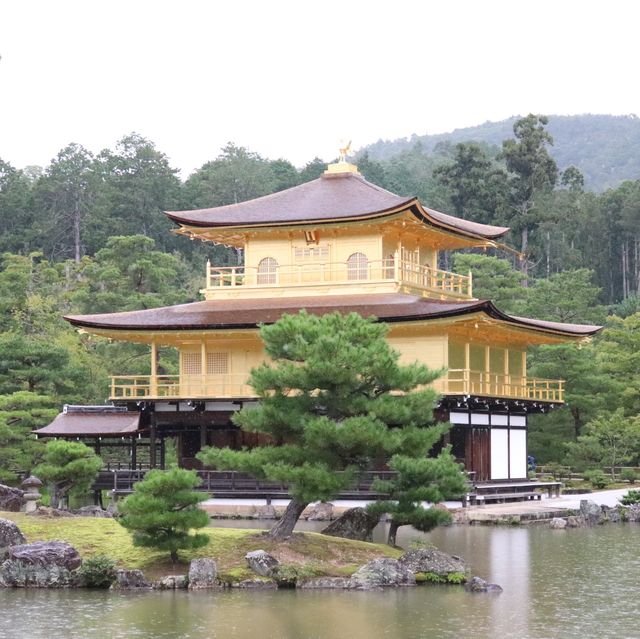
(337, 243)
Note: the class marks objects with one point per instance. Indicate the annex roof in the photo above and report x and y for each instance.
(249, 313)
(92, 423)
(330, 198)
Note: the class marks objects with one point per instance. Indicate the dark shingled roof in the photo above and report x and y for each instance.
(107, 424)
(248, 313)
(331, 197)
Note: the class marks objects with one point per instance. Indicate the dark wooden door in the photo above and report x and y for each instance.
(477, 451)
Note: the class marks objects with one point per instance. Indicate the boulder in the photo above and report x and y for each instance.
(46, 511)
(203, 574)
(92, 511)
(591, 511)
(43, 564)
(11, 499)
(434, 561)
(558, 523)
(266, 512)
(322, 511)
(255, 584)
(10, 535)
(576, 521)
(613, 515)
(130, 580)
(355, 523)
(477, 584)
(172, 582)
(381, 573)
(633, 513)
(324, 582)
(262, 563)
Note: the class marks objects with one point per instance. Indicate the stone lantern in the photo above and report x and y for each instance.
(31, 494)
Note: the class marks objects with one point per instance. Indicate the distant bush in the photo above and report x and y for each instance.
(596, 478)
(628, 474)
(98, 571)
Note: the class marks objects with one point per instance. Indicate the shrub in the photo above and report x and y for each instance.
(596, 478)
(628, 474)
(98, 571)
(632, 497)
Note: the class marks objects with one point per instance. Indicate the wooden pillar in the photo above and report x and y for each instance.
(134, 453)
(153, 385)
(203, 367)
(203, 436)
(152, 443)
(523, 392)
(487, 370)
(507, 381)
(467, 369)
(162, 452)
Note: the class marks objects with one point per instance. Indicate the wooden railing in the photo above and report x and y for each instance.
(175, 386)
(454, 382)
(388, 270)
(470, 382)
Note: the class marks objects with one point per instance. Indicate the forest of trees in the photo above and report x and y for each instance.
(87, 234)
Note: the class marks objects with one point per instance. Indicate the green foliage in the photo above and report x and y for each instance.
(632, 497)
(493, 279)
(596, 478)
(98, 571)
(330, 403)
(455, 578)
(20, 413)
(611, 439)
(68, 467)
(629, 474)
(163, 509)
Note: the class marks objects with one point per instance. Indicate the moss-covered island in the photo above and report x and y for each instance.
(312, 553)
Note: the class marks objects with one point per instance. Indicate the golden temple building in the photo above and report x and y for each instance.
(337, 243)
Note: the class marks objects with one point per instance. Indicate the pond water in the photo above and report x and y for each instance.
(557, 584)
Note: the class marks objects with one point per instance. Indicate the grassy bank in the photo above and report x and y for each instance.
(321, 555)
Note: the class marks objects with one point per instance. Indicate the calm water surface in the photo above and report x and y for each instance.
(557, 584)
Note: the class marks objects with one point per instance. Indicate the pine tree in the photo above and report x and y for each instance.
(163, 509)
(335, 402)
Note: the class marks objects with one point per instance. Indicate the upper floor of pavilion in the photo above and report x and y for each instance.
(338, 234)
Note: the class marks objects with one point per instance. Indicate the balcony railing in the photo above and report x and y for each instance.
(326, 273)
(454, 382)
(183, 387)
(469, 382)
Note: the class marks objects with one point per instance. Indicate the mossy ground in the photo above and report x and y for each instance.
(320, 554)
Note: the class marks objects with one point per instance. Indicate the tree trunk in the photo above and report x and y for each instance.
(524, 247)
(577, 422)
(174, 556)
(76, 233)
(285, 525)
(393, 531)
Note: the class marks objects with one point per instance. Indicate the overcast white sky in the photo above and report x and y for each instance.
(291, 78)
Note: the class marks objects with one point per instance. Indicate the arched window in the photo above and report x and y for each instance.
(267, 271)
(357, 266)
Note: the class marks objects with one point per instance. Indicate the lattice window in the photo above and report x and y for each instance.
(191, 363)
(217, 363)
(311, 253)
(267, 271)
(357, 266)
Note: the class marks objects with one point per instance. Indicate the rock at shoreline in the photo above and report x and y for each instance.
(255, 584)
(316, 583)
(130, 580)
(633, 513)
(266, 512)
(558, 523)
(434, 561)
(381, 573)
(43, 564)
(576, 521)
(591, 511)
(203, 573)
(355, 523)
(262, 563)
(11, 499)
(321, 511)
(172, 582)
(10, 535)
(477, 584)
